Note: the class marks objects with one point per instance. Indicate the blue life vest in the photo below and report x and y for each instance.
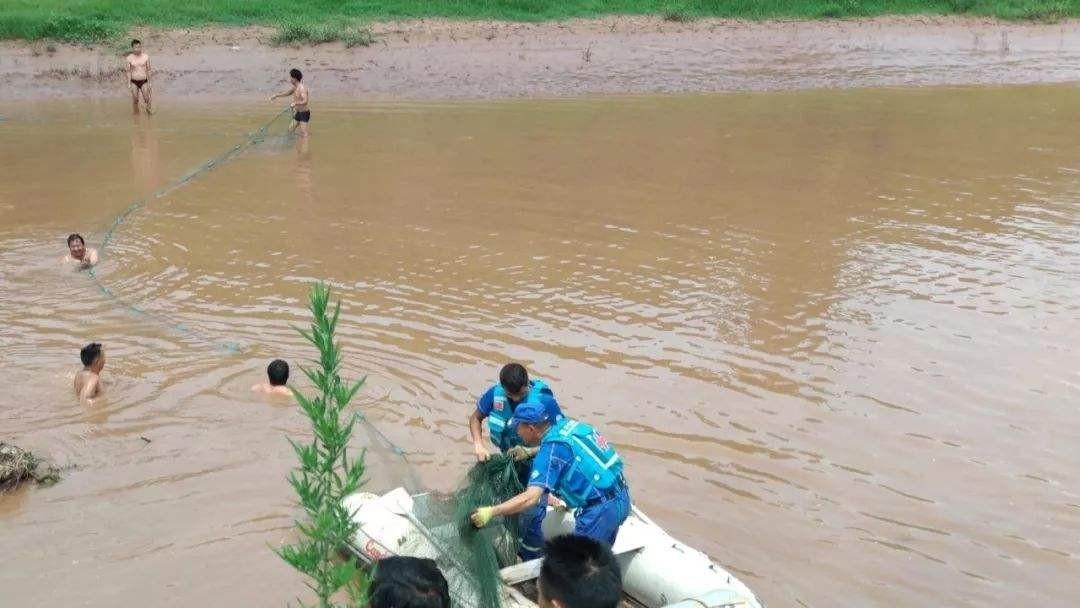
(502, 435)
(596, 463)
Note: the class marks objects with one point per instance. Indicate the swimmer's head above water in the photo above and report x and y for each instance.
(76, 246)
(278, 372)
(278, 375)
(93, 357)
(78, 252)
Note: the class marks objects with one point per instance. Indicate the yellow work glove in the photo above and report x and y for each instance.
(482, 516)
(520, 452)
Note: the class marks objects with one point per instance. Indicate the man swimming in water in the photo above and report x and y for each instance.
(78, 253)
(138, 67)
(299, 92)
(278, 375)
(88, 379)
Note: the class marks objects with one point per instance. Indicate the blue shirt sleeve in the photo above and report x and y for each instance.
(486, 402)
(550, 463)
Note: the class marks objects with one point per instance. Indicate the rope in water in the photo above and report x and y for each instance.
(252, 139)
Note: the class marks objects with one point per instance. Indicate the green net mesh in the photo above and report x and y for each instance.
(471, 558)
(488, 549)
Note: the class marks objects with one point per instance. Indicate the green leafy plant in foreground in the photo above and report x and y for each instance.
(326, 474)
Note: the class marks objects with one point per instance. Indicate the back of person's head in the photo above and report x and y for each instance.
(579, 572)
(297, 74)
(408, 582)
(278, 372)
(90, 353)
(75, 237)
(513, 377)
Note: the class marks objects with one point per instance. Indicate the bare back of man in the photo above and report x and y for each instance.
(138, 67)
(87, 384)
(88, 379)
(269, 389)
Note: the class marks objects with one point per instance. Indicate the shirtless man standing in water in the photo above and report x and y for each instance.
(88, 379)
(299, 92)
(138, 65)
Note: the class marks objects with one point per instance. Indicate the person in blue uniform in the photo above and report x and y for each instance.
(577, 465)
(496, 407)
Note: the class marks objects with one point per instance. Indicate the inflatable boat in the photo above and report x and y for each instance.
(658, 571)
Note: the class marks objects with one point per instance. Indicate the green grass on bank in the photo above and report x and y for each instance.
(315, 20)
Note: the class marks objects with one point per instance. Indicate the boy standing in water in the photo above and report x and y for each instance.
(88, 379)
(278, 375)
(299, 105)
(138, 66)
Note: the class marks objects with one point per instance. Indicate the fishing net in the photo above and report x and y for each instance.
(252, 139)
(490, 548)
(470, 558)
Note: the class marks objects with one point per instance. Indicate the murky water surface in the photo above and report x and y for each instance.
(832, 332)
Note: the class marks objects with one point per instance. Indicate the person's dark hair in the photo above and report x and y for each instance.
(408, 582)
(580, 572)
(278, 372)
(135, 41)
(297, 74)
(75, 237)
(90, 353)
(513, 377)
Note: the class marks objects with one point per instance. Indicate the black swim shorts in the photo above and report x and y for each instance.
(304, 116)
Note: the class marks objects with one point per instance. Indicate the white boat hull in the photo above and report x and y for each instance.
(657, 569)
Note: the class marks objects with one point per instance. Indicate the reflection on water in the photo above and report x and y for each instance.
(832, 332)
(145, 155)
(302, 171)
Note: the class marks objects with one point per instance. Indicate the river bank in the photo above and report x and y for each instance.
(441, 59)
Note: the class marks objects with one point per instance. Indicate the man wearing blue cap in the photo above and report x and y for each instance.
(577, 465)
(497, 406)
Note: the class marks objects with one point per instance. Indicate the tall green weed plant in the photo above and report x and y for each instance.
(326, 474)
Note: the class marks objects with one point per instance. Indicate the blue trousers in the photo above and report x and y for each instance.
(600, 522)
(531, 524)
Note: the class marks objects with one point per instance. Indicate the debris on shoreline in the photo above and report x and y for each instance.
(18, 465)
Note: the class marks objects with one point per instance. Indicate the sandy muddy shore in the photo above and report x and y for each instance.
(618, 55)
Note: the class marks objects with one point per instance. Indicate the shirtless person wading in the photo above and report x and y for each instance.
(299, 92)
(78, 253)
(138, 66)
(88, 379)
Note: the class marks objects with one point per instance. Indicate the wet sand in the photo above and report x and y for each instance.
(618, 55)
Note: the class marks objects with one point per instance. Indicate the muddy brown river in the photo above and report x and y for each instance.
(832, 332)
